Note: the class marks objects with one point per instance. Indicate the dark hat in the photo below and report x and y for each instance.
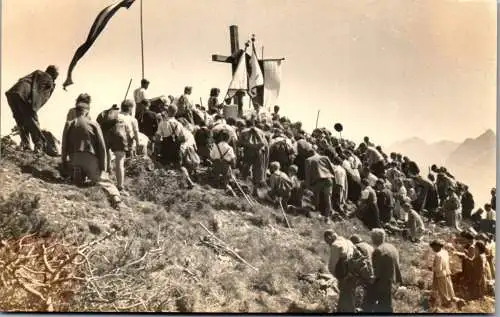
(437, 242)
(356, 239)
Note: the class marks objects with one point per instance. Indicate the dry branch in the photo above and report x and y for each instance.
(228, 249)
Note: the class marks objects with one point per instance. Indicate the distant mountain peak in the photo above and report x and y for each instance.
(487, 135)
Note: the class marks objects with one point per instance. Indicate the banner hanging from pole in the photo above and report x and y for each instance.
(240, 78)
(256, 78)
(96, 29)
(272, 82)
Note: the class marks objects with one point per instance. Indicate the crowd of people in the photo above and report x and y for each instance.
(303, 173)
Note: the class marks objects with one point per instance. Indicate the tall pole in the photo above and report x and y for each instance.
(142, 44)
(317, 118)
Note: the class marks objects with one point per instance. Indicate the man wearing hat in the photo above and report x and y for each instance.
(140, 97)
(25, 98)
(83, 147)
(442, 286)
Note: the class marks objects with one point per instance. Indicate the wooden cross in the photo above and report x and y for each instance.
(233, 60)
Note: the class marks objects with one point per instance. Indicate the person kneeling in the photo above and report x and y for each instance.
(83, 144)
(223, 161)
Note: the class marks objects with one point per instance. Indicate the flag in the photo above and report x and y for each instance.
(96, 29)
(240, 78)
(272, 73)
(256, 78)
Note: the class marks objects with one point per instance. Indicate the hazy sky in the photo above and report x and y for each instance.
(390, 69)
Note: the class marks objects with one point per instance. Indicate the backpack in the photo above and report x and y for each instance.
(254, 140)
(114, 130)
(191, 158)
(285, 186)
(282, 152)
(359, 266)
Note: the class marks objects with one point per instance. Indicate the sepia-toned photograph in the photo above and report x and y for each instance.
(248, 156)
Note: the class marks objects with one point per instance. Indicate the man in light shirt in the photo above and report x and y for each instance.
(140, 96)
(132, 129)
(442, 286)
(341, 250)
(340, 185)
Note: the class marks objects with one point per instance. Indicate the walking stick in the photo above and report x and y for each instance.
(284, 214)
(241, 189)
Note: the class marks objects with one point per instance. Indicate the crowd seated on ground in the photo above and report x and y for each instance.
(313, 174)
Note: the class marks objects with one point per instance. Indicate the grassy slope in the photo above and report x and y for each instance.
(159, 246)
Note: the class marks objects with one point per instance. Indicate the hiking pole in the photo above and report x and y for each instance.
(284, 214)
(241, 189)
(126, 94)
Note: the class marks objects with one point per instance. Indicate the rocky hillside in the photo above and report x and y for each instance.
(64, 249)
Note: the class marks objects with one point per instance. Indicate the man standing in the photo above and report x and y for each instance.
(340, 186)
(367, 250)
(442, 286)
(25, 98)
(140, 97)
(467, 203)
(276, 116)
(185, 105)
(494, 198)
(147, 120)
(385, 202)
(83, 145)
(255, 153)
(341, 251)
(319, 178)
(386, 268)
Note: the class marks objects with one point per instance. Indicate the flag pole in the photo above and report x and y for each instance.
(317, 118)
(142, 44)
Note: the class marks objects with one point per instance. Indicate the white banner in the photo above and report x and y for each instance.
(272, 82)
(240, 78)
(256, 78)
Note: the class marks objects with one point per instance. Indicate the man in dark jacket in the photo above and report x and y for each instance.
(494, 199)
(387, 271)
(25, 98)
(467, 203)
(367, 250)
(320, 173)
(385, 202)
(147, 120)
(83, 147)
